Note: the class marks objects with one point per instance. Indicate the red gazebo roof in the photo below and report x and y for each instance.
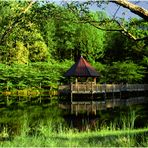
(82, 69)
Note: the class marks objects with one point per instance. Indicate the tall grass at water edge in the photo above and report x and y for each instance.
(47, 135)
(70, 137)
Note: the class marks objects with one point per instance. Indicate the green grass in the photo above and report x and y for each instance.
(46, 133)
(45, 136)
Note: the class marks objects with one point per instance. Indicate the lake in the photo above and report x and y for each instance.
(18, 112)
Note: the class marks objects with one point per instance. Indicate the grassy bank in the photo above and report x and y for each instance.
(44, 136)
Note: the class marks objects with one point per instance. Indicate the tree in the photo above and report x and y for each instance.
(121, 24)
(125, 72)
(90, 42)
(11, 15)
(21, 38)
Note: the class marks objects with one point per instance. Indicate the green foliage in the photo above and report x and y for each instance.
(90, 42)
(45, 136)
(126, 72)
(39, 52)
(102, 70)
(40, 45)
(138, 27)
(145, 60)
(22, 76)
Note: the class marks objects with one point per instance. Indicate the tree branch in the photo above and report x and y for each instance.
(123, 30)
(133, 8)
(99, 24)
(116, 12)
(104, 29)
(29, 6)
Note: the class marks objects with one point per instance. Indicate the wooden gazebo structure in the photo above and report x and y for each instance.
(85, 95)
(82, 69)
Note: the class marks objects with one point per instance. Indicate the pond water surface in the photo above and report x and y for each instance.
(33, 111)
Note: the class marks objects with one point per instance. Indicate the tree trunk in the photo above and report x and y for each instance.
(133, 8)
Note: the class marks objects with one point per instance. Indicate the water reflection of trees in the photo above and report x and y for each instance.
(24, 116)
(31, 114)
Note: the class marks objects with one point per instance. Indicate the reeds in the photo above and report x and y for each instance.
(48, 135)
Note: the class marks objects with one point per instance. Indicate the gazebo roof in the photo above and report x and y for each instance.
(82, 69)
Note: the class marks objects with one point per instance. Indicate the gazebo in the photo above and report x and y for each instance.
(82, 69)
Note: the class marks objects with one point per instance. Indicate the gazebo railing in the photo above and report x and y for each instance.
(92, 87)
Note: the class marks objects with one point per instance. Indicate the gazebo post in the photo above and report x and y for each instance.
(76, 83)
(87, 79)
(95, 80)
(76, 80)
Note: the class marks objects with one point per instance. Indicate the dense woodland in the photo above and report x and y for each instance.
(39, 43)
